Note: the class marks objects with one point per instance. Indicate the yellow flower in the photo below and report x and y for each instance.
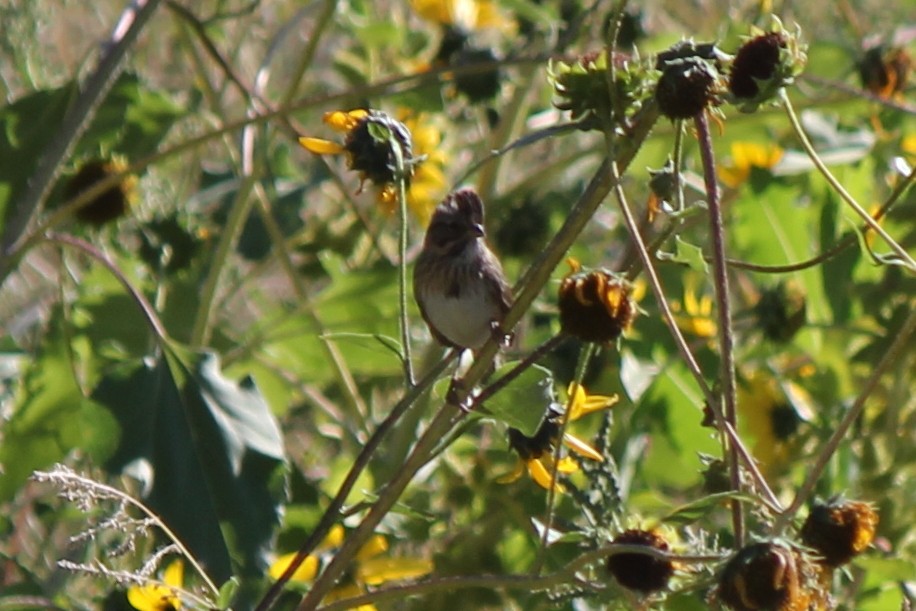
(369, 136)
(537, 453)
(428, 185)
(695, 316)
(467, 15)
(908, 145)
(372, 569)
(159, 596)
(745, 156)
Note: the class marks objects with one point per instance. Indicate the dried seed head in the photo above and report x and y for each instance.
(765, 64)
(596, 306)
(641, 572)
(763, 576)
(108, 205)
(885, 70)
(690, 79)
(781, 311)
(839, 530)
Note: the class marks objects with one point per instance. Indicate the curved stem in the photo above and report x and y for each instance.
(840, 189)
(723, 308)
(145, 307)
(401, 172)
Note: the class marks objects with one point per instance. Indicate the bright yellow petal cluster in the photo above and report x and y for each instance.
(466, 14)
(747, 155)
(694, 317)
(159, 596)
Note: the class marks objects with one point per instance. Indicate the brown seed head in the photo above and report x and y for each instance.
(756, 60)
(761, 576)
(109, 205)
(839, 530)
(369, 147)
(596, 306)
(641, 572)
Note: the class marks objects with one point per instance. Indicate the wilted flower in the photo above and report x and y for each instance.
(595, 306)
(745, 157)
(159, 596)
(537, 453)
(690, 79)
(885, 70)
(765, 64)
(641, 572)
(768, 575)
(781, 310)
(839, 530)
(110, 204)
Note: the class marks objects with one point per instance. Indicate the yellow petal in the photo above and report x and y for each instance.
(512, 476)
(320, 146)
(379, 570)
(373, 547)
(567, 465)
(540, 474)
(347, 591)
(583, 404)
(581, 448)
(174, 573)
(334, 537)
(305, 572)
(344, 121)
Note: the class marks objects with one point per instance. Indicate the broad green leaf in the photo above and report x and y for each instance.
(690, 255)
(24, 135)
(51, 417)
(524, 401)
(215, 453)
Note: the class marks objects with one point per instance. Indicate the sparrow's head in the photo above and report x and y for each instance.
(457, 221)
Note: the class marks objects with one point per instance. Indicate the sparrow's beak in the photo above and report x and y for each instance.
(477, 230)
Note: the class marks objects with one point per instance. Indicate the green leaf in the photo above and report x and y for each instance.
(24, 135)
(51, 417)
(690, 255)
(695, 510)
(214, 451)
(227, 592)
(523, 402)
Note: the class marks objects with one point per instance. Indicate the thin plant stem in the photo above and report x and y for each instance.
(891, 356)
(145, 307)
(585, 356)
(530, 359)
(401, 172)
(332, 513)
(839, 188)
(723, 308)
(200, 333)
(308, 55)
(344, 375)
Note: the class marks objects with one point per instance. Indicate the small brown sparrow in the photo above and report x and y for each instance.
(458, 282)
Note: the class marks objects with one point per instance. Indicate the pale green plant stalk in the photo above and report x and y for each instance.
(401, 172)
(585, 356)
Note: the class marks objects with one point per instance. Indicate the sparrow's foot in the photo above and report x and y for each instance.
(458, 395)
(503, 339)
